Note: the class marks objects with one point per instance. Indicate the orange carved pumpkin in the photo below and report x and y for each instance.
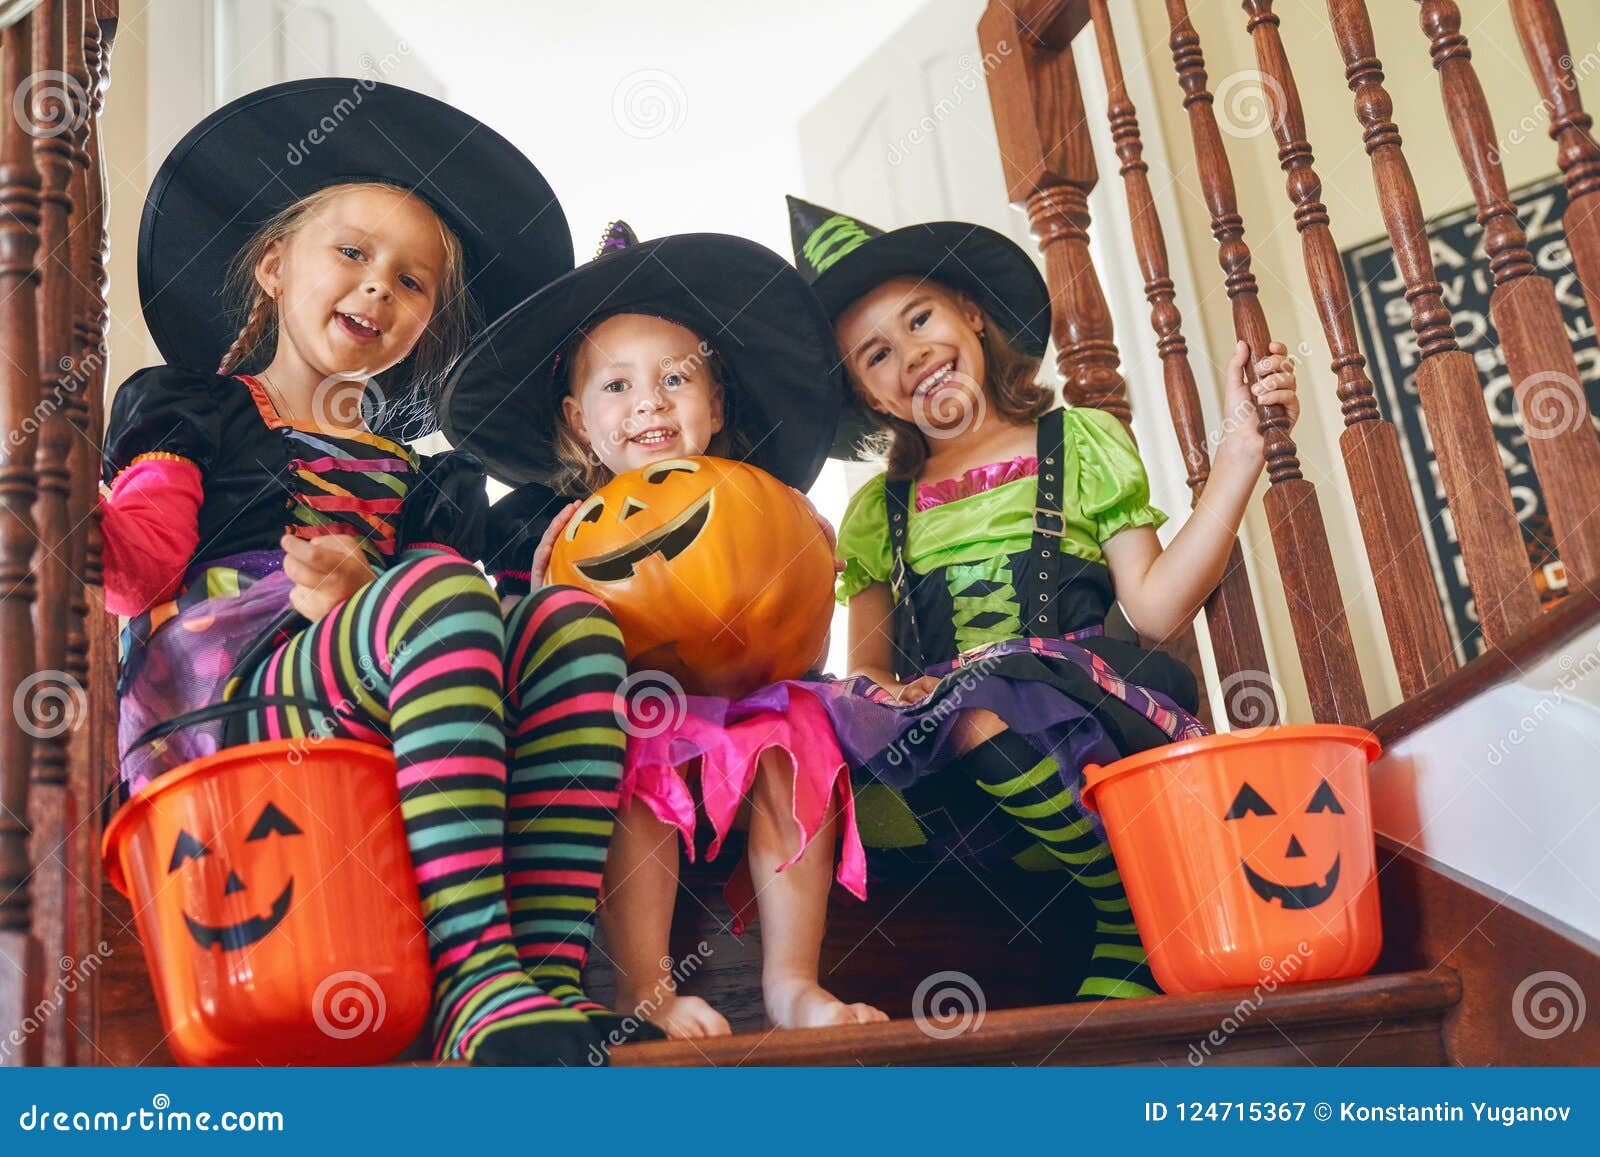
(716, 572)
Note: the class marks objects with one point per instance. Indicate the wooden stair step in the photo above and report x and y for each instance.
(1391, 1019)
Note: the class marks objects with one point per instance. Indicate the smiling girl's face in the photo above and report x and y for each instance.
(357, 281)
(913, 348)
(641, 390)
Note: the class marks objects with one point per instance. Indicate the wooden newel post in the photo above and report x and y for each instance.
(24, 703)
(1447, 380)
(1523, 306)
(1305, 563)
(1544, 43)
(1396, 549)
(1048, 160)
(1241, 656)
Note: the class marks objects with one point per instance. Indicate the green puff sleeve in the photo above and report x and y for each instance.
(1113, 488)
(864, 541)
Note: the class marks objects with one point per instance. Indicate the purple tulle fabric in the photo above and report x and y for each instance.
(187, 660)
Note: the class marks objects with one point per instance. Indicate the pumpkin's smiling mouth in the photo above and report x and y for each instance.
(245, 933)
(669, 542)
(1293, 895)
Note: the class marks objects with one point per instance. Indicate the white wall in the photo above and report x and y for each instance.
(1505, 788)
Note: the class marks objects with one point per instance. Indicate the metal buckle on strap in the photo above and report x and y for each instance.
(1045, 512)
(897, 577)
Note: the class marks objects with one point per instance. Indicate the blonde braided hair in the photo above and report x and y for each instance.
(261, 318)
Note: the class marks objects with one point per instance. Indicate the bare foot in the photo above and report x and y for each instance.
(685, 1017)
(801, 1003)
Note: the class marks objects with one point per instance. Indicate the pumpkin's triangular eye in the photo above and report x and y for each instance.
(657, 471)
(1249, 802)
(1324, 801)
(187, 848)
(590, 511)
(272, 820)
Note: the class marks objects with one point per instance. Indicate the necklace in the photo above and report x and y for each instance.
(277, 398)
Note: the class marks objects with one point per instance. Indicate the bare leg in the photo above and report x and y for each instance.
(641, 887)
(793, 905)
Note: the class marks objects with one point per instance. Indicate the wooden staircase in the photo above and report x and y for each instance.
(1456, 956)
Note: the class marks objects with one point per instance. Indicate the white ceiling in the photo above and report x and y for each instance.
(678, 117)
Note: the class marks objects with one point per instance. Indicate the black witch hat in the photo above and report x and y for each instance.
(745, 301)
(843, 258)
(261, 153)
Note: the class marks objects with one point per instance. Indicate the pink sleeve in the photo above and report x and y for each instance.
(149, 529)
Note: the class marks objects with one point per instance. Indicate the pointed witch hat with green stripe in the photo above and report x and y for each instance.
(843, 258)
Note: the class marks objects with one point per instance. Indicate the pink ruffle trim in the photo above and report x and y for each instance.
(975, 481)
(729, 754)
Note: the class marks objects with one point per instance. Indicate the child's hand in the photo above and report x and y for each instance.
(325, 572)
(827, 531)
(913, 692)
(541, 553)
(1274, 386)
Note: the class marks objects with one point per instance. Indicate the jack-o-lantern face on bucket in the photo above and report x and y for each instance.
(1250, 802)
(717, 573)
(242, 933)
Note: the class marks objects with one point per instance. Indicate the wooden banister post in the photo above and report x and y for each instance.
(1048, 161)
(24, 702)
(1533, 335)
(1544, 43)
(1241, 656)
(53, 812)
(1447, 380)
(1396, 549)
(1305, 562)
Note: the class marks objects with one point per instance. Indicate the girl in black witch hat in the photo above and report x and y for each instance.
(980, 567)
(268, 533)
(651, 354)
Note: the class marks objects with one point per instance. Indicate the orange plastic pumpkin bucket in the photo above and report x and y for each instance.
(276, 904)
(1247, 857)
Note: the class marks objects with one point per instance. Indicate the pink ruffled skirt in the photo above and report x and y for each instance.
(729, 739)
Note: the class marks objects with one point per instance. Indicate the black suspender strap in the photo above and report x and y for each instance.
(897, 496)
(1041, 578)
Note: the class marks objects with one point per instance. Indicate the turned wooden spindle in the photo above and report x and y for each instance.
(1230, 610)
(96, 775)
(53, 813)
(1447, 379)
(1533, 334)
(1305, 562)
(84, 465)
(1544, 43)
(1396, 548)
(24, 703)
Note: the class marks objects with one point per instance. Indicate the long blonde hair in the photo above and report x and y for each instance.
(582, 471)
(1010, 386)
(256, 343)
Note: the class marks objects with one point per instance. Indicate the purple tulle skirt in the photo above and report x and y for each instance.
(1063, 698)
(182, 656)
